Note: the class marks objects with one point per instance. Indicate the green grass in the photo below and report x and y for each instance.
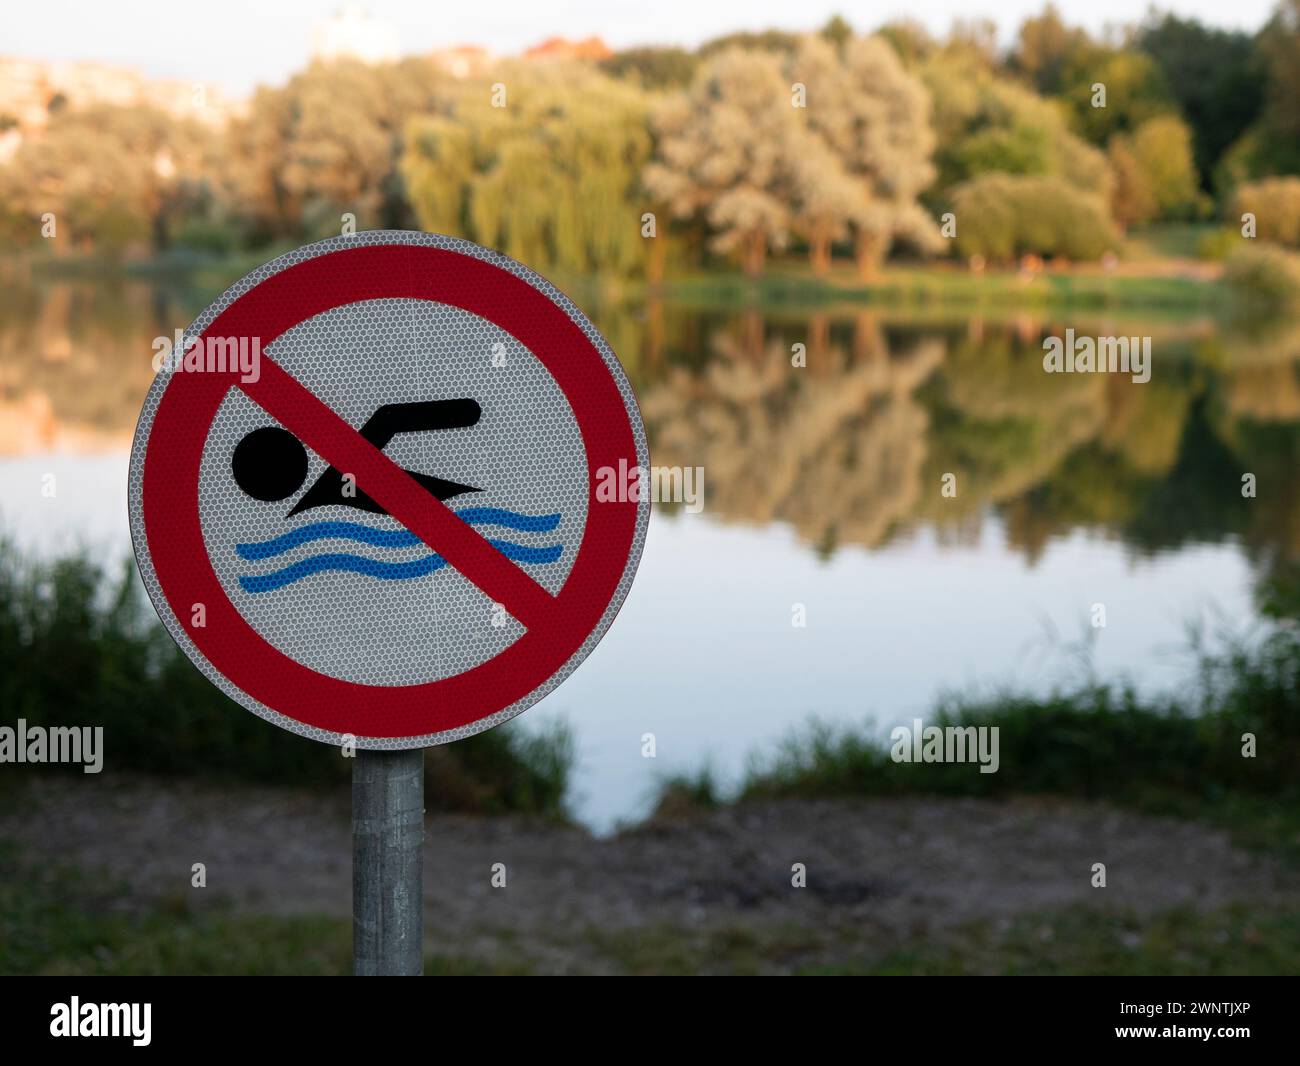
(1258, 285)
(192, 265)
(790, 285)
(64, 922)
(1095, 744)
(684, 794)
(1230, 940)
(682, 950)
(1169, 240)
(1180, 754)
(789, 281)
(81, 648)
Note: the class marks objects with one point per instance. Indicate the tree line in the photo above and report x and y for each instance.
(819, 144)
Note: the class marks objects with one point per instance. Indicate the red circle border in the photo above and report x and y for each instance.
(189, 403)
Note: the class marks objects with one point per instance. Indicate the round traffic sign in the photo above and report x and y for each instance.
(385, 488)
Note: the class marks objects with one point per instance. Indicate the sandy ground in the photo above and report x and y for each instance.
(880, 873)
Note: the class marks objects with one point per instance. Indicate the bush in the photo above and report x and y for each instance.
(1264, 275)
(1275, 203)
(1218, 244)
(201, 235)
(1004, 216)
(1097, 741)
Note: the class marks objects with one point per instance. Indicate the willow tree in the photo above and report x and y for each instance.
(551, 178)
(437, 168)
(875, 117)
(724, 154)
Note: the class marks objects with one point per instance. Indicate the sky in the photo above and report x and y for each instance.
(241, 43)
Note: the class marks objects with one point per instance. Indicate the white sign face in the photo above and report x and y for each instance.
(374, 466)
(516, 472)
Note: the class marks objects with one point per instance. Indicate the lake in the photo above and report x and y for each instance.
(824, 502)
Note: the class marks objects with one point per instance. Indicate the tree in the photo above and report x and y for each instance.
(255, 147)
(1265, 276)
(1272, 144)
(116, 177)
(1279, 50)
(976, 38)
(1213, 78)
(910, 39)
(874, 116)
(1156, 174)
(724, 153)
(653, 68)
(837, 30)
(1045, 49)
(778, 41)
(443, 155)
(330, 141)
(1135, 91)
(1132, 200)
(984, 123)
(827, 198)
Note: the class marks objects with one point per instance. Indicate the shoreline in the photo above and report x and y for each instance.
(1162, 284)
(909, 884)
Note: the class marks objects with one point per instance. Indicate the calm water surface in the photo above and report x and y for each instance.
(823, 489)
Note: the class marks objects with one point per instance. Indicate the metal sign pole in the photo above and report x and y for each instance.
(388, 863)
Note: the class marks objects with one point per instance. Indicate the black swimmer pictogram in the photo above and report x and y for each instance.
(270, 464)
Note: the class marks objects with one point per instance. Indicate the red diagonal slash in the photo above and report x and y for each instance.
(322, 429)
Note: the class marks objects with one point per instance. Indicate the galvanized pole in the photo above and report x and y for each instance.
(388, 863)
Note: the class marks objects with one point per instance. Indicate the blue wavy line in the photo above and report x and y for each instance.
(359, 564)
(391, 538)
(499, 516)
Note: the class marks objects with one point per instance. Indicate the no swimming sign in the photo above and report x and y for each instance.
(363, 489)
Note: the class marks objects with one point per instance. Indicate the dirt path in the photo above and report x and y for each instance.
(879, 873)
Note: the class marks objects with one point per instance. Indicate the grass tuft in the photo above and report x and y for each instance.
(79, 647)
